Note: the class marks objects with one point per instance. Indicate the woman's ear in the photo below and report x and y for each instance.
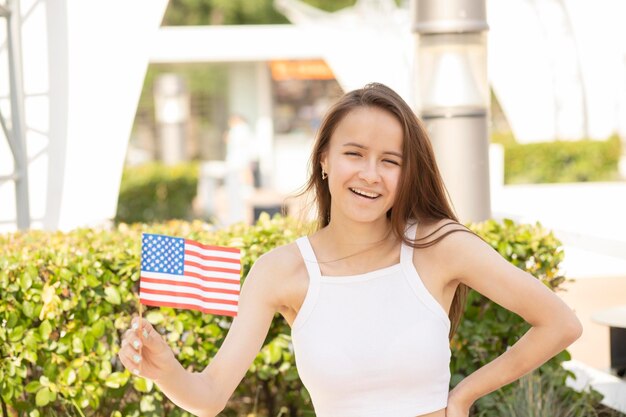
(324, 162)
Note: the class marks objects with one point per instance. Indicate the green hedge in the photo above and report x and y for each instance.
(67, 298)
(560, 161)
(156, 192)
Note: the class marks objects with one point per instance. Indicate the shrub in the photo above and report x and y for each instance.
(156, 192)
(543, 394)
(69, 296)
(560, 161)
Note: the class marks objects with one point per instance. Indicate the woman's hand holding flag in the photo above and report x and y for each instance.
(145, 353)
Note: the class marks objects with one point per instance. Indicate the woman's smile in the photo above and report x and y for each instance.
(366, 194)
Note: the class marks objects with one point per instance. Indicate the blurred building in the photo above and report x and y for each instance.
(557, 68)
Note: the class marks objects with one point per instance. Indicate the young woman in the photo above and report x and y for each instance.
(374, 295)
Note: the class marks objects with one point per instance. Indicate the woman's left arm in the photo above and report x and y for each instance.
(554, 324)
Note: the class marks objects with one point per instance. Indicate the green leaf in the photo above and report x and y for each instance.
(44, 380)
(178, 326)
(275, 353)
(173, 336)
(77, 345)
(89, 340)
(105, 369)
(83, 372)
(30, 356)
(143, 385)
(43, 397)
(154, 317)
(12, 320)
(45, 328)
(304, 394)
(32, 386)
(28, 309)
(68, 376)
(291, 374)
(98, 329)
(147, 403)
(26, 281)
(7, 392)
(112, 295)
(15, 334)
(92, 281)
(116, 380)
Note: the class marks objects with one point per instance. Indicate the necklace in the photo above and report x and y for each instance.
(374, 245)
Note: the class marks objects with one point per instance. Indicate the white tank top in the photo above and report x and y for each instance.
(372, 345)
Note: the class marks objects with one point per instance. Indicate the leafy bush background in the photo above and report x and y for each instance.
(156, 192)
(560, 161)
(67, 298)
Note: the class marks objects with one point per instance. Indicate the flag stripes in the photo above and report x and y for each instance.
(181, 273)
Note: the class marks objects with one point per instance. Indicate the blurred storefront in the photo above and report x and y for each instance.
(282, 101)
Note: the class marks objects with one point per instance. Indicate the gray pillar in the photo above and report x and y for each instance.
(453, 97)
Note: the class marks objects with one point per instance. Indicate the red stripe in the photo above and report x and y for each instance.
(189, 284)
(189, 307)
(212, 247)
(184, 294)
(212, 268)
(206, 278)
(212, 258)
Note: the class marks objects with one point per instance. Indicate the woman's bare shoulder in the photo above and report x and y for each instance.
(432, 229)
(285, 274)
(280, 262)
(448, 245)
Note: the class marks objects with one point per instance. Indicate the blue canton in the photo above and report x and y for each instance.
(163, 254)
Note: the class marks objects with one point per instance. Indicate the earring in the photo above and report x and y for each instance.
(324, 174)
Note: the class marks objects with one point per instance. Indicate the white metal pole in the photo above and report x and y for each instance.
(17, 136)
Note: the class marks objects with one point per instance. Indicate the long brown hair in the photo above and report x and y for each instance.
(421, 194)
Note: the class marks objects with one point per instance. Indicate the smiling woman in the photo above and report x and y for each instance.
(386, 255)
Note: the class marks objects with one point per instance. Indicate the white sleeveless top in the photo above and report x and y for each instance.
(372, 345)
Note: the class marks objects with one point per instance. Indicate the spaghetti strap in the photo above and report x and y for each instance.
(415, 281)
(310, 299)
(310, 260)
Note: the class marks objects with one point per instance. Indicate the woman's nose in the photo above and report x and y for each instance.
(369, 172)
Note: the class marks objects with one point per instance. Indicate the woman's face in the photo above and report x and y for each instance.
(364, 162)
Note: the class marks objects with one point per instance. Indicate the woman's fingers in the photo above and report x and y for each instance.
(133, 341)
(132, 361)
(145, 332)
(144, 352)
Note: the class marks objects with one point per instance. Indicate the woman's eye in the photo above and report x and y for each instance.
(353, 153)
(391, 161)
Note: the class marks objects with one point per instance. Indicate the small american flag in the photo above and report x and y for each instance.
(181, 273)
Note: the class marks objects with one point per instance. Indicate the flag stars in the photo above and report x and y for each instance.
(162, 254)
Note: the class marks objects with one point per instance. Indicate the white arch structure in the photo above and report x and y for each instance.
(558, 68)
(83, 68)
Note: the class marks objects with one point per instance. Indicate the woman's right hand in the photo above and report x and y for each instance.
(144, 352)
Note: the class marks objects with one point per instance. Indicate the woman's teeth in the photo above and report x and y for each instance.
(364, 193)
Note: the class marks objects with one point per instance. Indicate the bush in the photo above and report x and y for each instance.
(68, 297)
(544, 394)
(156, 192)
(559, 161)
